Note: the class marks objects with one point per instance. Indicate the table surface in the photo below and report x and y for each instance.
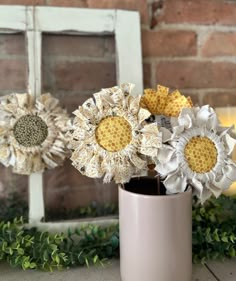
(213, 271)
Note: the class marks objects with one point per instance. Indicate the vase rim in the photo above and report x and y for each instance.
(164, 197)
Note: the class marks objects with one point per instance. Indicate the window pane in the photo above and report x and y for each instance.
(13, 78)
(75, 67)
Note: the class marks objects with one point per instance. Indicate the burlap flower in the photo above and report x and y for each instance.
(110, 136)
(32, 133)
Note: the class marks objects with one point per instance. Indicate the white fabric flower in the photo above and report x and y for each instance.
(110, 136)
(32, 133)
(197, 153)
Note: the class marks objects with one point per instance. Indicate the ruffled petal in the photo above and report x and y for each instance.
(138, 162)
(24, 100)
(150, 137)
(228, 176)
(47, 102)
(230, 144)
(177, 131)
(93, 167)
(166, 134)
(168, 167)
(175, 183)
(143, 114)
(133, 105)
(207, 117)
(202, 192)
(199, 190)
(127, 88)
(4, 154)
(124, 173)
(186, 118)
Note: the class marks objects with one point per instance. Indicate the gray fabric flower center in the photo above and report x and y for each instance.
(30, 130)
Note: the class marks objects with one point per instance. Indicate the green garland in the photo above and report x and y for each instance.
(33, 249)
(214, 237)
(214, 229)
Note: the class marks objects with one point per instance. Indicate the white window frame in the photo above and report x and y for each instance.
(34, 21)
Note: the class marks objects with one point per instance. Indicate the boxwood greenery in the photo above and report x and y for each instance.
(33, 249)
(214, 237)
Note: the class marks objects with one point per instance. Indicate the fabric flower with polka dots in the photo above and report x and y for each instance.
(32, 133)
(197, 154)
(164, 105)
(110, 137)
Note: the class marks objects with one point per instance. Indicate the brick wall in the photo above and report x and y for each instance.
(196, 50)
(187, 44)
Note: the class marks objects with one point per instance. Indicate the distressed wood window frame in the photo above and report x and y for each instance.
(34, 21)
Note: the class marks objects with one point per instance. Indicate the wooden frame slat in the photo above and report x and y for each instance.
(64, 20)
(34, 21)
(13, 18)
(128, 48)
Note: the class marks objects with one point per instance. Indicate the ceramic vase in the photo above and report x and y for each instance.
(155, 233)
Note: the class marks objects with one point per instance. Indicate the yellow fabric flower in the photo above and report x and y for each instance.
(161, 102)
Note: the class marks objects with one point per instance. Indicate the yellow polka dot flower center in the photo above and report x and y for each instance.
(114, 133)
(201, 154)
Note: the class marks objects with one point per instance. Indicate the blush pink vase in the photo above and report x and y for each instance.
(155, 236)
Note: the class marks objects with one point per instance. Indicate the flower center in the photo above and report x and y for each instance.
(201, 154)
(113, 133)
(30, 130)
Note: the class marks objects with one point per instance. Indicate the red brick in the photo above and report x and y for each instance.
(81, 76)
(110, 46)
(11, 183)
(70, 198)
(220, 44)
(66, 187)
(22, 2)
(71, 101)
(196, 74)
(219, 99)
(137, 5)
(199, 12)
(12, 44)
(169, 43)
(195, 97)
(64, 45)
(13, 74)
(68, 3)
(147, 75)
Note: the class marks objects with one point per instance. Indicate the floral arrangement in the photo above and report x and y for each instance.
(198, 150)
(113, 136)
(32, 133)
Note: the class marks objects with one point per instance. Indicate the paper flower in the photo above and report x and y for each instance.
(32, 133)
(161, 102)
(110, 136)
(198, 153)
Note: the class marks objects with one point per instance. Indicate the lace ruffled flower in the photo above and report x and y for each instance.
(32, 133)
(110, 136)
